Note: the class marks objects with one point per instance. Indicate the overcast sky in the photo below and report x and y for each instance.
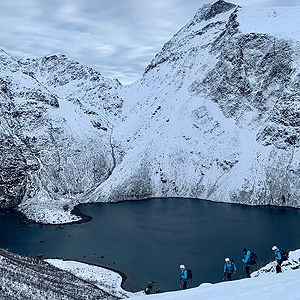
(116, 37)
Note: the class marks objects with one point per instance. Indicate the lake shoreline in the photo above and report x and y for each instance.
(145, 241)
(122, 274)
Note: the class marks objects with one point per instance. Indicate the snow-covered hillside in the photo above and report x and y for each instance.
(56, 139)
(274, 286)
(216, 115)
(106, 280)
(277, 287)
(31, 278)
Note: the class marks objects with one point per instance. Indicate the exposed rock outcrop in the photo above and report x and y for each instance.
(31, 278)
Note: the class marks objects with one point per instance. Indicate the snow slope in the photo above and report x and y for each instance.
(31, 278)
(277, 287)
(267, 20)
(263, 287)
(105, 279)
(24, 277)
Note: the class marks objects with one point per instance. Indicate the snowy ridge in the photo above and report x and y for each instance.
(293, 263)
(275, 286)
(282, 286)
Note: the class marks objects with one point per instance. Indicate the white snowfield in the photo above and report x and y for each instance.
(276, 287)
(271, 287)
(104, 279)
(282, 22)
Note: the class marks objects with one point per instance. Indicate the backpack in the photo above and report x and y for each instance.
(284, 255)
(232, 265)
(189, 274)
(253, 258)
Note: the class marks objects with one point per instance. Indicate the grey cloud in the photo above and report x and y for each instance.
(117, 38)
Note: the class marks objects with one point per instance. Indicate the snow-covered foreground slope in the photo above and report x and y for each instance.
(275, 287)
(293, 263)
(105, 279)
(31, 278)
(215, 116)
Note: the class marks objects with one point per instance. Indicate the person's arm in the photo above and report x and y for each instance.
(184, 274)
(278, 255)
(247, 258)
(225, 269)
(234, 267)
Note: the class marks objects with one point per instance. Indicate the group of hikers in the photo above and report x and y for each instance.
(250, 258)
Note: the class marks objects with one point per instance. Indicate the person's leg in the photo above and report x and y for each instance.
(247, 268)
(184, 285)
(278, 267)
(229, 276)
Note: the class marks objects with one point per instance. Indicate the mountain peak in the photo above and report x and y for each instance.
(209, 11)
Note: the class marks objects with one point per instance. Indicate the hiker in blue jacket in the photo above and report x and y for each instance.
(229, 268)
(278, 258)
(246, 261)
(183, 276)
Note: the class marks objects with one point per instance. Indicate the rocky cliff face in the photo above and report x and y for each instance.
(56, 137)
(219, 113)
(215, 116)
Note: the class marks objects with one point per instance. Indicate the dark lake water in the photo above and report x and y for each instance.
(148, 240)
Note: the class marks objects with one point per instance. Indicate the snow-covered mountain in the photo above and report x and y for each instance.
(216, 115)
(55, 137)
